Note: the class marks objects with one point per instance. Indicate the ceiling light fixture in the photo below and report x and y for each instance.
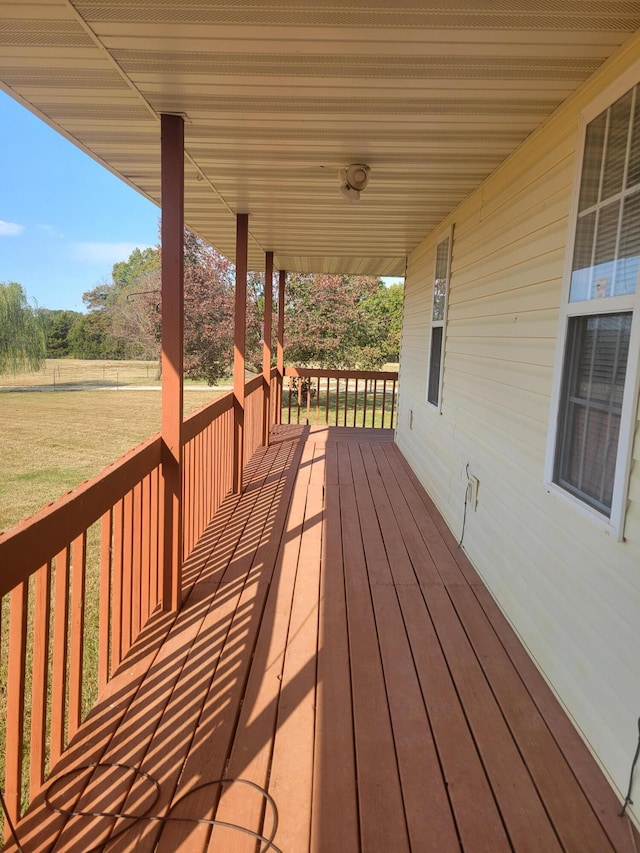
(353, 180)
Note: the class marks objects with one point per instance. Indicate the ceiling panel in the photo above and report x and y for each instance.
(277, 98)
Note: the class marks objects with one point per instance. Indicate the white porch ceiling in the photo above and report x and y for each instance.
(278, 95)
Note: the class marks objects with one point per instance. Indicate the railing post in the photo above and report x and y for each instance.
(266, 348)
(172, 236)
(280, 347)
(242, 242)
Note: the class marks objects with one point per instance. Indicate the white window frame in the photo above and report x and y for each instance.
(614, 524)
(445, 235)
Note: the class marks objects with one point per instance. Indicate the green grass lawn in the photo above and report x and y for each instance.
(50, 441)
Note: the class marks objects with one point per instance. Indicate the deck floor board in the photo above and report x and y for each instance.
(337, 650)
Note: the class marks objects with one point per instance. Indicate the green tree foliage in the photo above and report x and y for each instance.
(343, 321)
(22, 343)
(383, 325)
(140, 264)
(57, 326)
(89, 338)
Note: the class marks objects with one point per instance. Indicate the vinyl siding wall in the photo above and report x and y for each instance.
(571, 591)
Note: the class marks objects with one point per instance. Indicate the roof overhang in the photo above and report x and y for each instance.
(277, 98)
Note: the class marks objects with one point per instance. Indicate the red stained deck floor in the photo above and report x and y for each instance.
(337, 650)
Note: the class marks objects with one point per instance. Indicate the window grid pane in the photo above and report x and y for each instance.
(606, 254)
(440, 283)
(592, 163)
(615, 156)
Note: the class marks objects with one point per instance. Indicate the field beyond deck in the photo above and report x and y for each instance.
(336, 650)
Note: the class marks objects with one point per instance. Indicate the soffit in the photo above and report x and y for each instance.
(279, 96)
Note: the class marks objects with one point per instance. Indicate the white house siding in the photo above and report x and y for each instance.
(571, 591)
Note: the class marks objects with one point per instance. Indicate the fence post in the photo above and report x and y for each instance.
(172, 236)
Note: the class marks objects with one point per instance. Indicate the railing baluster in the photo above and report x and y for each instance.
(308, 399)
(59, 673)
(146, 550)
(195, 464)
(393, 402)
(127, 571)
(19, 604)
(186, 491)
(364, 404)
(117, 615)
(154, 559)
(326, 408)
(136, 573)
(375, 394)
(78, 582)
(384, 400)
(39, 677)
(202, 469)
(289, 412)
(355, 404)
(104, 619)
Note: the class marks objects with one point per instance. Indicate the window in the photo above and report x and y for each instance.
(438, 320)
(594, 404)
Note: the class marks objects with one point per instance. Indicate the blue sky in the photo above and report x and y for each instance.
(64, 219)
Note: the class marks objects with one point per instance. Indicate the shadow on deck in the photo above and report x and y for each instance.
(336, 650)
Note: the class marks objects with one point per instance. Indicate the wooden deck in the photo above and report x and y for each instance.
(337, 650)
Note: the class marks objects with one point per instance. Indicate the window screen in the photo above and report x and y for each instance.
(597, 349)
(435, 361)
(438, 320)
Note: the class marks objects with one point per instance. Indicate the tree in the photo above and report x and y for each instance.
(89, 338)
(139, 264)
(209, 288)
(325, 319)
(57, 326)
(129, 304)
(383, 325)
(130, 308)
(22, 343)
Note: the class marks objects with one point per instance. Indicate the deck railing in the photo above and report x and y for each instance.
(340, 397)
(80, 579)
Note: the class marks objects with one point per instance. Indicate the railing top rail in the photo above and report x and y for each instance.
(340, 374)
